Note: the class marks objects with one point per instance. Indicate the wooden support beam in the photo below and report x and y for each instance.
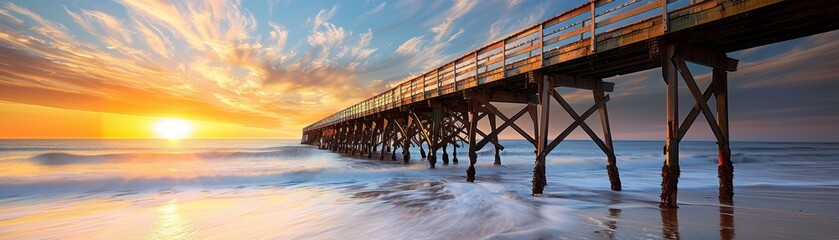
(725, 169)
(371, 143)
(406, 147)
(579, 120)
(670, 172)
(603, 147)
(562, 80)
(405, 142)
(539, 180)
(531, 110)
(493, 128)
(384, 134)
(694, 112)
(494, 134)
(493, 110)
(436, 131)
(473, 127)
(707, 58)
(611, 164)
(697, 96)
(508, 97)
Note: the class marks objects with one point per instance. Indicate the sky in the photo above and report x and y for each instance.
(268, 68)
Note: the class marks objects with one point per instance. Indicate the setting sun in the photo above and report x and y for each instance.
(172, 129)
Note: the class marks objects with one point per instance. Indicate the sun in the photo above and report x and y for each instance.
(172, 129)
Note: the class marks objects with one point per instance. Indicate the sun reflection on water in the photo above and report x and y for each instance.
(171, 225)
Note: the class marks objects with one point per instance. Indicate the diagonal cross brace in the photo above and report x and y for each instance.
(698, 97)
(694, 112)
(501, 128)
(603, 147)
(577, 121)
(503, 117)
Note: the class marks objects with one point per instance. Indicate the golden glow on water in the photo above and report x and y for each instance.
(170, 224)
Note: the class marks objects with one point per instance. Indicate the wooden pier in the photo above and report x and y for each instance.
(575, 49)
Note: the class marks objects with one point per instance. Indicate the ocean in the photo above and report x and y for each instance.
(279, 189)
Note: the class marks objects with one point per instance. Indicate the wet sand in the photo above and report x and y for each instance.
(760, 212)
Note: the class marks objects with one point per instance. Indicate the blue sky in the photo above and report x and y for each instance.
(282, 64)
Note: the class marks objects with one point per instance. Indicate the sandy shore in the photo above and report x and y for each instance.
(757, 213)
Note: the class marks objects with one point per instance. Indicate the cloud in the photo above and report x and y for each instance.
(322, 17)
(155, 39)
(205, 60)
(512, 3)
(361, 51)
(460, 8)
(372, 11)
(410, 46)
(102, 24)
(815, 58)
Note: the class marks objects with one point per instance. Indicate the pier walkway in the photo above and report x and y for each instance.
(575, 49)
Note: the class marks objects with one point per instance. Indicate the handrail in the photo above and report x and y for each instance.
(514, 54)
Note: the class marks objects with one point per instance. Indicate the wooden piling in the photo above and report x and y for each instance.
(725, 169)
(670, 171)
(445, 154)
(495, 138)
(473, 128)
(611, 163)
(539, 180)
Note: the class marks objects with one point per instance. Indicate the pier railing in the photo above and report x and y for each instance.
(591, 28)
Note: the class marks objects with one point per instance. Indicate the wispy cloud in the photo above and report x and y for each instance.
(460, 8)
(227, 72)
(410, 47)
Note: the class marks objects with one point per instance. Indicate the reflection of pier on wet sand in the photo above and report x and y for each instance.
(758, 213)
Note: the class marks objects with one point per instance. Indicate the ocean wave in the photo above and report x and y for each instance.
(64, 158)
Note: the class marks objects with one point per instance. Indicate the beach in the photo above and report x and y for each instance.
(278, 189)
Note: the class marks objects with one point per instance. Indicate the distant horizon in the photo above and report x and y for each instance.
(506, 139)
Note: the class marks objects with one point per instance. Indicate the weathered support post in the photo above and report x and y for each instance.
(725, 169)
(384, 134)
(422, 150)
(434, 135)
(395, 146)
(445, 154)
(406, 142)
(371, 143)
(390, 135)
(670, 171)
(545, 87)
(336, 147)
(611, 165)
(492, 126)
(357, 133)
(444, 139)
(454, 154)
(473, 129)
